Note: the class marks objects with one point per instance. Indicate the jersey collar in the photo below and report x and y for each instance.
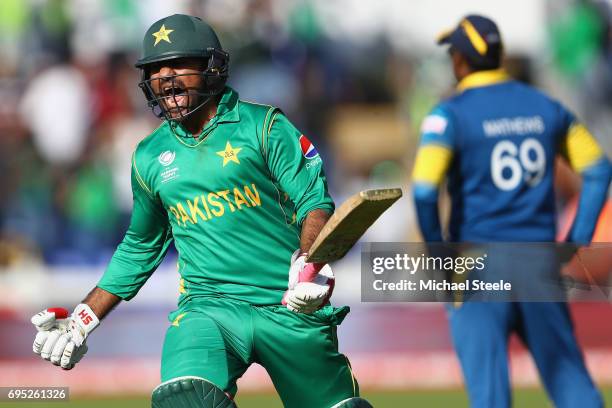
(227, 111)
(483, 78)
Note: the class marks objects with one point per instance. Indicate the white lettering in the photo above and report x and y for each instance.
(519, 125)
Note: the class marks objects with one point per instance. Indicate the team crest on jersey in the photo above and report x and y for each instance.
(229, 154)
(308, 149)
(166, 158)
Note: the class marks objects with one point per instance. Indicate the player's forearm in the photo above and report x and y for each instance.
(426, 205)
(311, 227)
(101, 302)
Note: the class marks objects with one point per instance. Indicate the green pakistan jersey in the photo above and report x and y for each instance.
(232, 200)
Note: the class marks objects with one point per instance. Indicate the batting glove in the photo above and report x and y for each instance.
(61, 338)
(310, 285)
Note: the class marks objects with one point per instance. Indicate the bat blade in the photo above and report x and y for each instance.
(350, 222)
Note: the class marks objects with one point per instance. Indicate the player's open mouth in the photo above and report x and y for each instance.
(175, 96)
(173, 90)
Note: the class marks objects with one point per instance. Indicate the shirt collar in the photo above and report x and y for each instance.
(227, 111)
(483, 78)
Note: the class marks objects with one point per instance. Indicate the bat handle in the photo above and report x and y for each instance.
(310, 272)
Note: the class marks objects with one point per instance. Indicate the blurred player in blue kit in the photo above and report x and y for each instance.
(496, 141)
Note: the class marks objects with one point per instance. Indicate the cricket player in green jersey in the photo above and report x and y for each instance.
(242, 194)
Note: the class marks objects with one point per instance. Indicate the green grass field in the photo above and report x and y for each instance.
(524, 398)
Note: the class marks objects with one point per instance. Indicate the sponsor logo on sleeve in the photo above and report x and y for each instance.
(434, 124)
(308, 149)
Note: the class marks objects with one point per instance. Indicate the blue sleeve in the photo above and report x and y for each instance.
(595, 182)
(437, 128)
(586, 157)
(426, 206)
(434, 156)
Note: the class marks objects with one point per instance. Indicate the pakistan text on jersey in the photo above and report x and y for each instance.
(520, 125)
(207, 206)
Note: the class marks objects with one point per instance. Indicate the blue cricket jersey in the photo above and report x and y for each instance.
(496, 140)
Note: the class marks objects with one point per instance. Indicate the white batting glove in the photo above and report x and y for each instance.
(310, 285)
(61, 339)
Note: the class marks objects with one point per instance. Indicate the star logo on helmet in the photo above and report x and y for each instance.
(162, 34)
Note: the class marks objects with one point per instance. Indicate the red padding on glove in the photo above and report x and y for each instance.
(60, 312)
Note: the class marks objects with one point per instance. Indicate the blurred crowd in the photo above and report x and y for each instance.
(72, 112)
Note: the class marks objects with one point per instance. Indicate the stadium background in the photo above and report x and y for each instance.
(356, 76)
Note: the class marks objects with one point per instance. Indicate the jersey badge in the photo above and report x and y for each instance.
(166, 158)
(230, 154)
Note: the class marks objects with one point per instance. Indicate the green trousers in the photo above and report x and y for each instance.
(218, 339)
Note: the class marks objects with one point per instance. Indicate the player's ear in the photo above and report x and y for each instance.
(461, 65)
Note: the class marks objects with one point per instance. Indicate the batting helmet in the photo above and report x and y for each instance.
(182, 36)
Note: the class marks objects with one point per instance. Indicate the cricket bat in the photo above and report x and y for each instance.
(350, 222)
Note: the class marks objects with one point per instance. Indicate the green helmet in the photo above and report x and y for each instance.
(182, 36)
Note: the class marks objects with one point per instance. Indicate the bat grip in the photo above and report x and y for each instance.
(310, 272)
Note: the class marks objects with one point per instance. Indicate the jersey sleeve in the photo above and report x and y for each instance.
(581, 150)
(144, 246)
(296, 166)
(435, 151)
(576, 144)
(433, 159)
